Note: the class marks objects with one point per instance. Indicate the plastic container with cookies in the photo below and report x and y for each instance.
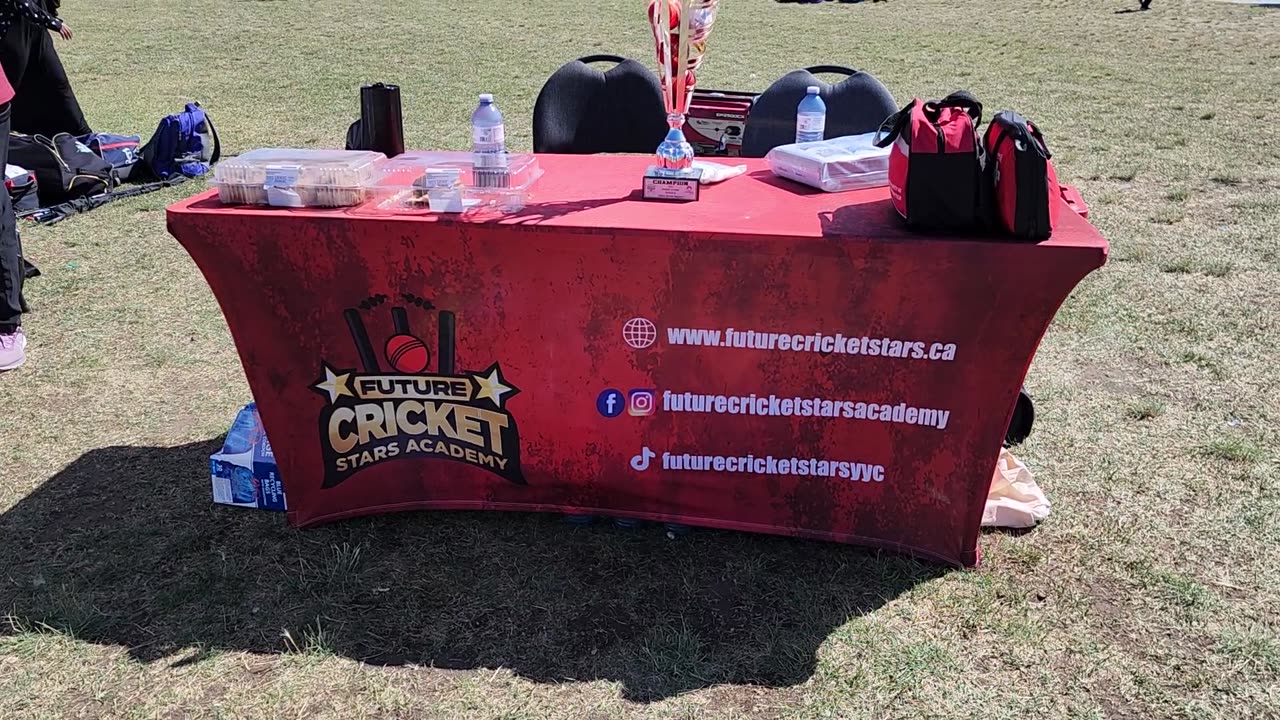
(295, 177)
(450, 182)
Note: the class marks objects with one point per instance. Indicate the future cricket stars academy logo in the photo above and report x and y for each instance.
(374, 415)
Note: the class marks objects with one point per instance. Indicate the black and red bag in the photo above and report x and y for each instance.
(935, 166)
(1025, 196)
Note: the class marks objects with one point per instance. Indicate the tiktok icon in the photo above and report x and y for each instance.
(640, 462)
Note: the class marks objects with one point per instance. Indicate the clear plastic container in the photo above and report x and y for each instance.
(845, 163)
(448, 181)
(285, 177)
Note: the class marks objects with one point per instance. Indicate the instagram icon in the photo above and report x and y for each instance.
(640, 403)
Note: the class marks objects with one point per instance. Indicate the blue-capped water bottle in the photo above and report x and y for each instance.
(488, 145)
(811, 117)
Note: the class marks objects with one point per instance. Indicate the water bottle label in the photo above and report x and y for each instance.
(489, 160)
(489, 135)
(811, 124)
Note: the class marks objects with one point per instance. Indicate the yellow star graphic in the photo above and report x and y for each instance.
(336, 384)
(492, 387)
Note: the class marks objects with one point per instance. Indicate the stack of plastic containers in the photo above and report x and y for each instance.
(283, 177)
(412, 183)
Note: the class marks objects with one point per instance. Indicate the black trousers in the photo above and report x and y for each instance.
(44, 103)
(11, 268)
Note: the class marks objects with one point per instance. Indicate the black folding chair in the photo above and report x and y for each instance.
(582, 110)
(857, 104)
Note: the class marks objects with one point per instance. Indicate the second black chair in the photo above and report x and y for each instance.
(857, 104)
(583, 110)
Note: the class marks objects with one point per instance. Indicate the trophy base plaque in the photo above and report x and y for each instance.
(672, 185)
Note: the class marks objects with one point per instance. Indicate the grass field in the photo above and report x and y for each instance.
(1152, 592)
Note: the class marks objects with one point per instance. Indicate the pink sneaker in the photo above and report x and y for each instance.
(13, 350)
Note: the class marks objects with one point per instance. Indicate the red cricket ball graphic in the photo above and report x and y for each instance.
(407, 354)
(405, 351)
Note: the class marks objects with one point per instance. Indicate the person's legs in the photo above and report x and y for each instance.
(45, 103)
(13, 343)
(15, 53)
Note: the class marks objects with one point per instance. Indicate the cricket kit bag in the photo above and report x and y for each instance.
(1025, 195)
(65, 168)
(935, 164)
(121, 152)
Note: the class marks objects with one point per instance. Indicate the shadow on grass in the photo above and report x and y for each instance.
(123, 548)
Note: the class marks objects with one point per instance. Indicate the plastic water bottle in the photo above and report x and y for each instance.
(811, 117)
(240, 436)
(488, 144)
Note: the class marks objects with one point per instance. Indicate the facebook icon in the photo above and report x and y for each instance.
(611, 403)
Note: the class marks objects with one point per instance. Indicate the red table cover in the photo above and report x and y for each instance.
(769, 358)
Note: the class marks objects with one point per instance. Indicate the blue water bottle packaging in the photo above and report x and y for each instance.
(244, 472)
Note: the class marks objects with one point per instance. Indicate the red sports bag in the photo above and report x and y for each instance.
(935, 166)
(1025, 192)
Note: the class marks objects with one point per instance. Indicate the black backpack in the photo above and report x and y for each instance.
(65, 168)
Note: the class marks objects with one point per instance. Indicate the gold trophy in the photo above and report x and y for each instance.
(680, 32)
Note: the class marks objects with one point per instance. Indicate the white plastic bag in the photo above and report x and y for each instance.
(1015, 500)
(852, 162)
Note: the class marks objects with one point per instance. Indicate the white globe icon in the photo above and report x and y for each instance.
(639, 333)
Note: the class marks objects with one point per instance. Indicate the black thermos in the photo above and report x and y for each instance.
(381, 123)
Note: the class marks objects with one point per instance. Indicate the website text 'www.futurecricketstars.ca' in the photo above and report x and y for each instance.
(822, 343)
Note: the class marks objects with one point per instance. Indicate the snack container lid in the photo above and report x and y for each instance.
(402, 171)
(410, 182)
(299, 167)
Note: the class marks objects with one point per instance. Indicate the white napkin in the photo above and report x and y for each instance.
(715, 172)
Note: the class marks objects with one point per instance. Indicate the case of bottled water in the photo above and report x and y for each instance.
(244, 472)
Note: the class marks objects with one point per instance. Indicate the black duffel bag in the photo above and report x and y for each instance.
(65, 168)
